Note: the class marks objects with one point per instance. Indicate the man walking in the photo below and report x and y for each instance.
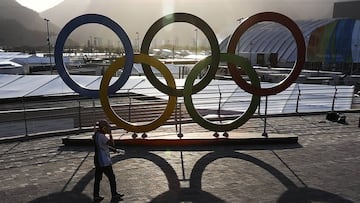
(102, 160)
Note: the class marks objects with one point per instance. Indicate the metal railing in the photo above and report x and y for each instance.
(31, 116)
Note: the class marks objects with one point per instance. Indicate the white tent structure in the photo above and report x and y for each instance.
(304, 97)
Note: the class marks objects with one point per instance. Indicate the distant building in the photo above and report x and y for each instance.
(8, 66)
(22, 63)
(347, 9)
(332, 44)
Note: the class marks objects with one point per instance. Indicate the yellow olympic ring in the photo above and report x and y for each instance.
(139, 58)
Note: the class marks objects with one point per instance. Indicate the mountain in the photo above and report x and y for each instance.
(21, 26)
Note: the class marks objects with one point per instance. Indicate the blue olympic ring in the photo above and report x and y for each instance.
(64, 34)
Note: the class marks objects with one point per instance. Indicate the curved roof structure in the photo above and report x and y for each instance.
(233, 98)
(327, 40)
(336, 42)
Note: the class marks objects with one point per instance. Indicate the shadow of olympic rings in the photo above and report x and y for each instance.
(293, 194)
(195, 193)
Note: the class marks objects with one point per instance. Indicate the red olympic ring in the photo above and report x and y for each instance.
(301, 51)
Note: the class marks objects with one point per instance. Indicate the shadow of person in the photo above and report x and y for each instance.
(73, 196)
(114, 200)
(60, 197)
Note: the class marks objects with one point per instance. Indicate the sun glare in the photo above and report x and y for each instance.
(39, 5)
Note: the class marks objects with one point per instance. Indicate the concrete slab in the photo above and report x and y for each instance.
(189, 139)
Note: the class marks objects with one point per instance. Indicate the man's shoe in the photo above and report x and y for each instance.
(98, 199)
(118, 196)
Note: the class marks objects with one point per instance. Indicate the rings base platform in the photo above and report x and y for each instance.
(188, 139)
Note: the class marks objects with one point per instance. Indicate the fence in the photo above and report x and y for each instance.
(31, 116)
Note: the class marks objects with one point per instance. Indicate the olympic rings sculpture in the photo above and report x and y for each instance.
(210, 62)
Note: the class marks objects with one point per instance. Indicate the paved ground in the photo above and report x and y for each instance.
(323, 167)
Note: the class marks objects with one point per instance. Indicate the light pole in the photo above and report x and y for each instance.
(49, 45)
(237, 46)
(196, 39)
(90, 44)
(137, 41)
(240, 20)
(251, 44)
(95, 42)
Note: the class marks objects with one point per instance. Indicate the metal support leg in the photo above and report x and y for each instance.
(265, 118)
(180, 135)
(25, 119)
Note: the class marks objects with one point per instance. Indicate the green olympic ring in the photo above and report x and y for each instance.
(209, 33)
(255, 100)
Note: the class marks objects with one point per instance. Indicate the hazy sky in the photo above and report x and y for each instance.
(135, 16)
(296, 9)
(300, 8)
